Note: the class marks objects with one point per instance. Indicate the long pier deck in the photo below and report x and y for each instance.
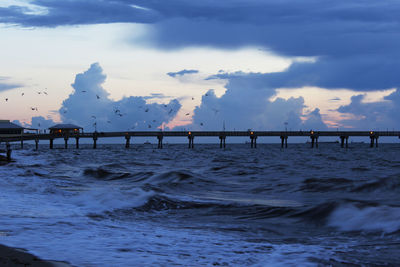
(190, 135)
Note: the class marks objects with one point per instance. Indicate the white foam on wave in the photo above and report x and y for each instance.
(351, 218)
(106, 198)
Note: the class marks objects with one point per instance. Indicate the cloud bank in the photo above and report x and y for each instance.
(246, 105)
(90, 107)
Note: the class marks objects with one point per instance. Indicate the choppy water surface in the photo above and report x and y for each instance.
(207, 206)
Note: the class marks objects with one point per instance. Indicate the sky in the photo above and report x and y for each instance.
(185, 64)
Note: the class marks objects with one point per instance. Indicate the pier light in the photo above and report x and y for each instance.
(189, 133)
(251, 133)
(312, 132)
(371, 132)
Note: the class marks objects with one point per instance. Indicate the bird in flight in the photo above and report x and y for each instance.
(22, 94)
(34, 108)
(98, 97)
(6, 99)
(83, 91)
(187, 114)
(147, 110)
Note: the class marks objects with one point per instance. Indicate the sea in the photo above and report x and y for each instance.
(143, 206)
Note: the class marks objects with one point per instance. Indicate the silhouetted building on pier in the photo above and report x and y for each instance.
(7, 127)
(65, 129)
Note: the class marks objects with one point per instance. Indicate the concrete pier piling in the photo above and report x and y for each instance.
(284, 139)
(51, 143)
(344, 139)
(94, 140)
(374, 139)
(77, 142)
(8, 151)
(222, 143)
(191, 140)
(66, 142)
(160, 143)
(37, 144)
(127, 141)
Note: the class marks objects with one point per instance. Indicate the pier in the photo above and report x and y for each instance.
(312, 136)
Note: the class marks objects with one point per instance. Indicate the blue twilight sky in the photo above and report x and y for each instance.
(148, 64)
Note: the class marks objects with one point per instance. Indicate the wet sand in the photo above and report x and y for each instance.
(19, 257)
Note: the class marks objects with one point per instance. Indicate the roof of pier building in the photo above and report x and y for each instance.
(6, 124)
(66, 126)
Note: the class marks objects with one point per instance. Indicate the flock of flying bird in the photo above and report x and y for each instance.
(39, 93)
(117, 111)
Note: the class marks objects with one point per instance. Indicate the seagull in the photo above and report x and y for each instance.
(45, 93)
(147, 110)
(34, 108)
(22, 94)
(192, 98)
(83, 91)
(187, 114)
(39, 93)
(98, 97)
(201, 124)
(6, 99)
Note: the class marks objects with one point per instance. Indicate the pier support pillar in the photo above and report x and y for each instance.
(284, 141)
(37, 144)
(8, 148)
(191, 139)
(127, 139)
(22, 143)
(253, 143)
(160, 144)
(347, 142)
(77, 142)
(372, 141)
(94, 142)
(342, 141)
(65, 142)
(51, 143)
(376, 141)
(222, 143)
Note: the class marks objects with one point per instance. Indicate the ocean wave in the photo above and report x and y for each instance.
(350, 217)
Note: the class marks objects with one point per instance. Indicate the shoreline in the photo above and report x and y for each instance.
(10, 256)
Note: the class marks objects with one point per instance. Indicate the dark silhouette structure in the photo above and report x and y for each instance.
(73, 131)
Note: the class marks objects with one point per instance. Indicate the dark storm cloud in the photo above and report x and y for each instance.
(356, 42)
(182, 72)
(76, 12)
